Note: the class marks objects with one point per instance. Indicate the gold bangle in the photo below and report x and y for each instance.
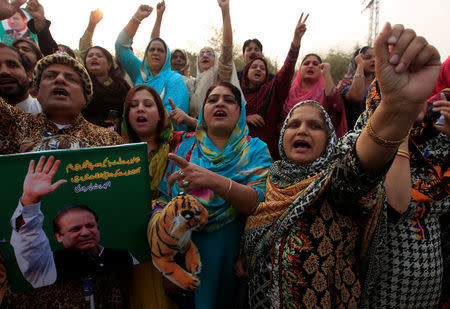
(382, 141)
(403, 154)
(359, 76)
(229, 186)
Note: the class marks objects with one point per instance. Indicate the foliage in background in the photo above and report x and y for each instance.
(339, 63)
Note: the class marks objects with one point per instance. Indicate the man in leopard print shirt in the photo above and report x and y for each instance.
(64, 89)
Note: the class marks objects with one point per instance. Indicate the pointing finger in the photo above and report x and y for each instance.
(179, 161)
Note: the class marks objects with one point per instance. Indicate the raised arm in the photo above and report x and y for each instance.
(142, 12)
(226, 57)
(86, 40)
(227, 30)
(8, 9)
(31, 246)
(355, 93)
(398, 180)
(160, 8)
(329, 82)
(284, 76)
(41, 26)
(407, 68)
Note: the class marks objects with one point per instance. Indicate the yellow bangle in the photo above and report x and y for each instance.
(403, 154)
(229, 186)
(382, 141)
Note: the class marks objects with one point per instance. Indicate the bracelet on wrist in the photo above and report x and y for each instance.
(359, 76)
(380, 140)
(136, 19)
(229, 186)
(403, 153)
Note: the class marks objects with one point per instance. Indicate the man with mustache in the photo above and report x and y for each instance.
(251, 49)
(15, 78)
(76, 227)
(64, 90)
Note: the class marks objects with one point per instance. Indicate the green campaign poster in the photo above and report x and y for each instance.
(15, 27)
(113, 181)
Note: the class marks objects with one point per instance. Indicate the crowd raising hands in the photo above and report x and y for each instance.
(286, 164)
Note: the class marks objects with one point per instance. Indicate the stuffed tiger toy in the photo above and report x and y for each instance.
(169, 232)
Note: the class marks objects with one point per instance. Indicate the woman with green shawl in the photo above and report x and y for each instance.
(154, 70)
(225, 169)
(146, 120)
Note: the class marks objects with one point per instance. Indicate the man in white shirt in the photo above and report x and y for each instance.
(76, 227)
(15, 78)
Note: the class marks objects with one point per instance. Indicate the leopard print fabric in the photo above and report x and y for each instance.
(18, 127)
(69, 61)
(109, 293)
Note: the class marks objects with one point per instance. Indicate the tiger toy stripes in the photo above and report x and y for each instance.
(169, 232)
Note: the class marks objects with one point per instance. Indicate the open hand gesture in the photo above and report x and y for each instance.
(143, 11)
(443, 106)
(38, 183)
(300, 29)
(96, 16)
(406, 66)
(35, 9)
(8, 9)
(160, 8)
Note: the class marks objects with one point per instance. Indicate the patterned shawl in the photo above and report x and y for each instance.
(244, 159)
(433, 184)
(290, 188)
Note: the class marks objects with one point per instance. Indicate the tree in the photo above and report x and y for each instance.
(339, 61)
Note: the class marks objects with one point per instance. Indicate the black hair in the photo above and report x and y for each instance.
(30, 43)
(109, 58)
(312, 54)
(26, 63)
(67, 49)
(22, 13)
(68, 209)
(233, 88)
(361, 50)
(247, 43)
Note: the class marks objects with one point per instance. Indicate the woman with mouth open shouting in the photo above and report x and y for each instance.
(303, 243)
(146, 120)
(225, 169)
(211, 69)
(154, 70)
(110, 89)
(265, 97)
(314, 82)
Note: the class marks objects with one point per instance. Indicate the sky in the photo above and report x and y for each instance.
(339, 25)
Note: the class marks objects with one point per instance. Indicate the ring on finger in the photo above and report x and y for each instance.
(181, 174)
(185, 183)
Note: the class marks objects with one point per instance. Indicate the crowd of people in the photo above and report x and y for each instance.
(319, 194)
